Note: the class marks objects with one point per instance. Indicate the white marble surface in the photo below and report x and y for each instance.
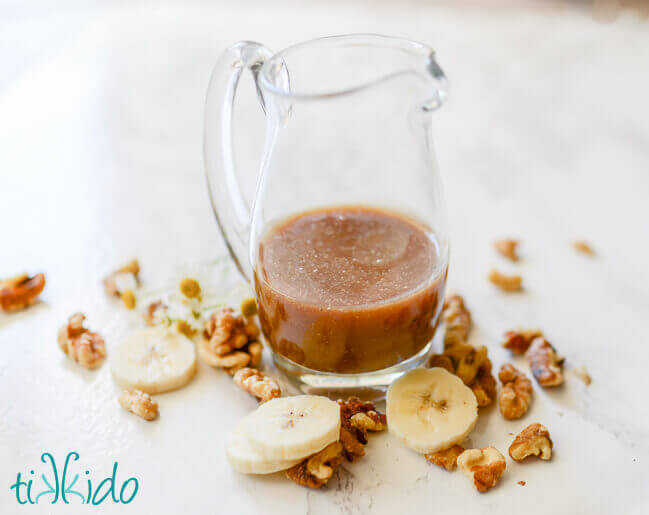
(545, 137)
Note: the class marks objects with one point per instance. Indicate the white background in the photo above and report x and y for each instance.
(545, 137)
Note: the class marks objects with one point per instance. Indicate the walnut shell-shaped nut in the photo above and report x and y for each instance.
(457, 321)
(315, 471)
(516, 393)
(484, 466)
(139, 403)
(518, 341)
(545, 363)
(229, 341)
(80, 344)
(257, 384)
(507, 283)
(447, 458)
(441, 361)
(534, 440)
(20, 292)
(467, 360)
(484, 386)
(507, 248)
(356, 419)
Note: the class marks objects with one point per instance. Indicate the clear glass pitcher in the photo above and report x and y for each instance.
(346, 240)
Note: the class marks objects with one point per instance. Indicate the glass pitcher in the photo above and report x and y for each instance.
(346, 240)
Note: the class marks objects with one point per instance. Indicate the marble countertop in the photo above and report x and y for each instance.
(545, 138)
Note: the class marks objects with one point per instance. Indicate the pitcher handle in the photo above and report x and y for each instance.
(232, 211)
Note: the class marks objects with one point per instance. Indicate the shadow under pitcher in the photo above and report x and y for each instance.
(346, 239)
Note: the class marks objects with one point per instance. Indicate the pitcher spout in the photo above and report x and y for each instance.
(347, 65)
(439, 84)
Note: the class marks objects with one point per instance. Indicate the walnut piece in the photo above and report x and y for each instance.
(534, 440)
(154, 312)
(484, 466)
(518, 341)
(370, 421)
(583, 247)
(447, 458)
(484, 386)
(123, 279)
(230, 342)
(457, 321)
(255, 349)
(257, 384)
(81, 345)
(467, 359)
(508, 283)
(20, 292)
(230, 362)
(356, 419)
(139, 403)
(507, 248)
(545, 363)
(582, 373)
(441, 361)
(353, 448)
(516, 393)
(316, 471)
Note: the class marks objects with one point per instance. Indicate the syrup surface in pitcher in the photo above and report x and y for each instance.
(348, 289)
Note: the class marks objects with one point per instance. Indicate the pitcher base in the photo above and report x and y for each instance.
(370, 386)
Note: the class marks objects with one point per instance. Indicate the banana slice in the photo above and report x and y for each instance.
(244, 459)
(154, 360)
(292, 428)
(430, 409)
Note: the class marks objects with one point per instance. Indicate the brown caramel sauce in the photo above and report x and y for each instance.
(348, 289)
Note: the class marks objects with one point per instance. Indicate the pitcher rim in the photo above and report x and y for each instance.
(406, 45)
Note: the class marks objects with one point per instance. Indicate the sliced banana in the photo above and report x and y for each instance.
(292, 428)
(430, 409)
(154, 360)
(243, 458)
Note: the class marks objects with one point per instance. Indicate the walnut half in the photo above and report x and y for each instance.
(507, 248)
(534, 440)
(518, 341)
(516, 394)
(508, 283)
(457, 321)
(80, 344)
(316, 471)
(139, 403)
(257, 384)
(583, 247)
(545, 363)
(484, 386)
(467, 359)
(20, 292)
(484, 466)
(441, 361)
(230, 342)
(357, 418)
(447, 458)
